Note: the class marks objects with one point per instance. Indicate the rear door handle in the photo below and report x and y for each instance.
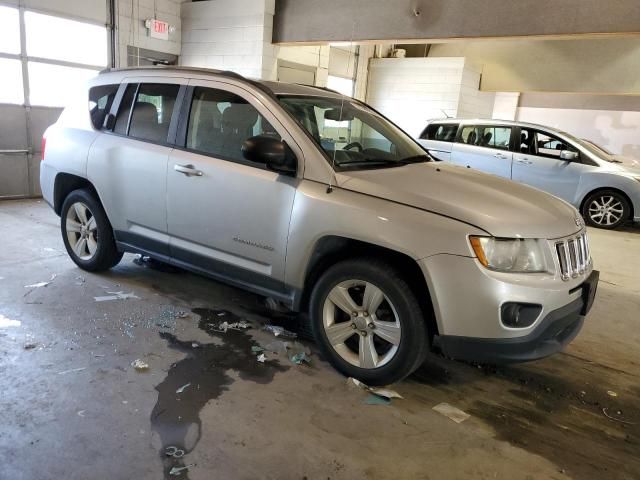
(188, 170)
(523, 161)
(500, 155)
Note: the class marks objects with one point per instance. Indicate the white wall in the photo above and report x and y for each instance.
(474, 103)
(310, 56)
(617, 131)
(505, 105)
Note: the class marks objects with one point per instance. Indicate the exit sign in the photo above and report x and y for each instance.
(158, 29)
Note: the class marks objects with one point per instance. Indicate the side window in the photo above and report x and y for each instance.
(122, 118)
(550, 146)
(441, 132)
(489, 136)
(100, 100)
(152, 111)
(220, 122)
(527, 144)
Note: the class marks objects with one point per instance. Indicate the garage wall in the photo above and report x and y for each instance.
(606, 65)
(93, 10)
(411, 91)
(610, 121)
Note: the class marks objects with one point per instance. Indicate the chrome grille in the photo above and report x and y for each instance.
(573, 256)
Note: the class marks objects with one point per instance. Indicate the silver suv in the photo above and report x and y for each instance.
(316, 200)
(603, 186)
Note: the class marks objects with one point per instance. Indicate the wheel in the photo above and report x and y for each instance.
(606, 209)
(87, 233)
(367, 321)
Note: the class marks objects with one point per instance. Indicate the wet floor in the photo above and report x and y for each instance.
(75, 408)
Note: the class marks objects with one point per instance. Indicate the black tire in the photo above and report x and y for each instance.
(414, 341)
(106, 254)
(601, 197)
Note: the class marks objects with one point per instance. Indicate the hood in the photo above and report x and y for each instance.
(496, 205)
(627, 164)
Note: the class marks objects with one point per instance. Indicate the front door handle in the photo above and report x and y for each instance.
(188, 170)
(500, 155)
(523, 161)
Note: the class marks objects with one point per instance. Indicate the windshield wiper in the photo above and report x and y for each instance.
(416, 159)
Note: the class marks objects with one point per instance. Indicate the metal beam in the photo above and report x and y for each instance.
(413, 21)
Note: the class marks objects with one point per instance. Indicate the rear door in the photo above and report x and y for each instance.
(128, 164)
(537, 162)
(438, 139)
(485, 148)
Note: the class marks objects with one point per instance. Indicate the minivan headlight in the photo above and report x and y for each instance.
(518, 255)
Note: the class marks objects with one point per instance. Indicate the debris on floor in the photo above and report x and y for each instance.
(81, 413)
(224, 326)
(152, 263)
(73, 370)
(30, 346)
(183, 388)
(182, 314)
(80, 280)
(373, 399)
(261, 358)
(616, 418)
(41, 284)
(611, 393)
(280, 331)
(115, 296)
(300, 358)
(378, 391)
(174, 452)
(7, 322)
(140, 365)
(175, 471)
(257, 349)
(451, 412)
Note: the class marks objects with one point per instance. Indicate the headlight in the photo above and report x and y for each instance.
(510, 254)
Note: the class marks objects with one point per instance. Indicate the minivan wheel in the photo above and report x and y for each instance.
(606, 209)
(367, 321)
(87, 233)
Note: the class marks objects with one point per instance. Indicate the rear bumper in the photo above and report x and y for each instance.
(551, 335)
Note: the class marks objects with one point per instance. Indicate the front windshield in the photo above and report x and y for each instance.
(593, 147)
(352, 134)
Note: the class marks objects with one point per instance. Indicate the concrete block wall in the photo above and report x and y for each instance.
(505, 106)
(473, 102)
(229, 35)
(311, 56)
(411, 91)
(131, 30)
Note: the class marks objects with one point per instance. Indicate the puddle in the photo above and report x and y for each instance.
(176, 416)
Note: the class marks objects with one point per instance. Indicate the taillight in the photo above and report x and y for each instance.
(44, 144)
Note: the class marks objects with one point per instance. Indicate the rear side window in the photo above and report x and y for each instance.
(443, 132)
(152, 110)
(100, 100)
(489, 136)
(220, 122)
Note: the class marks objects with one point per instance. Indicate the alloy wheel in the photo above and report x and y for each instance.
(361, 324)
(605, 210)
(82, 231)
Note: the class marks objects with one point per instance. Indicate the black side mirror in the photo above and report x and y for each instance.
(274, 153)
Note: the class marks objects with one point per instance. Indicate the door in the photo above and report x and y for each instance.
(537, 162)
(128, 166)
(485, 148)
(226, 215)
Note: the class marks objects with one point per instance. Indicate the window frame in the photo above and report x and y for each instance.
(170, 141)
(509, 148)
(553, 136)
(424, 135)
(183, 126)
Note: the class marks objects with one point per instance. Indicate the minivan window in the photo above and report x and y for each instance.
(100, 100)
(352, 135)
(550, 146)
(152, 111)
(442, 132)
(486, 136)
(220, 122)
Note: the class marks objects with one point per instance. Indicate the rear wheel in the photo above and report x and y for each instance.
(606, 209)
(368, 322)
(87, 233)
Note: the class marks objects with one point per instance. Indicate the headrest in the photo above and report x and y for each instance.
(239, 116)
(146, 112)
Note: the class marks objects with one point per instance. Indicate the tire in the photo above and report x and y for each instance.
(396, 331)
(84, 222)
(606, 209)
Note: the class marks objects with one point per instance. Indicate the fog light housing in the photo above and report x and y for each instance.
(519, 315)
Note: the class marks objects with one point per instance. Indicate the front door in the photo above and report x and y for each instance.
(485, 148)
(226, 215)
(537, 162)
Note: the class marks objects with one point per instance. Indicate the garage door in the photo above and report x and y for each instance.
(42, 63)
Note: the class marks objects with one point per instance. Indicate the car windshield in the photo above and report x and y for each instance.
(353, 136)
(594, 148)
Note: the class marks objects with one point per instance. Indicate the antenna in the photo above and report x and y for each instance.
(333, 160)
(445, 113)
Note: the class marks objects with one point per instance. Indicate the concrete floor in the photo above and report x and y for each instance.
(74, 408)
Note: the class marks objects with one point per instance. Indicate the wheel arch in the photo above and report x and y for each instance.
(331, 249)
(601, 189)
(64, 184)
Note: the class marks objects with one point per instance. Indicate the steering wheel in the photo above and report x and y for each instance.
(351, 145)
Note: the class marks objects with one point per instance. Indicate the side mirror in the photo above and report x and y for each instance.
(568, 155)
(274, 153)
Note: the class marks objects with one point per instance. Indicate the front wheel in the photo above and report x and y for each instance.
(606, 209)
(87, 233)
(368, 322)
